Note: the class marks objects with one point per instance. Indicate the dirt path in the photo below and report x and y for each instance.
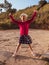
(9, 41)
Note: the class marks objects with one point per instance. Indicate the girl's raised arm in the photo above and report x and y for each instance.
(12, 18)
(33, 16)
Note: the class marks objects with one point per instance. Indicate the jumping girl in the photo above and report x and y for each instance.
(24, 27)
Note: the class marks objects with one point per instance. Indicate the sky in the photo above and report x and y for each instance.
(21, 4)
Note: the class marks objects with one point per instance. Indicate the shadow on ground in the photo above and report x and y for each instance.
(8, 55)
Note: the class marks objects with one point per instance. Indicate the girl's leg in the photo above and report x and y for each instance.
(17, 49)
(31, 50)
(33, 53)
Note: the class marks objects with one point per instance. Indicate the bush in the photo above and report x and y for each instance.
(8, 26)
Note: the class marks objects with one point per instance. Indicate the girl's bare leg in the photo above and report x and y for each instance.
(31, 50)
(17, 49)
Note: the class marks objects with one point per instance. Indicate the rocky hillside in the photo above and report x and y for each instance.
(41, 21)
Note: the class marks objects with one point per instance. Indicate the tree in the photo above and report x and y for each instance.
(11, 10)
(42, 1)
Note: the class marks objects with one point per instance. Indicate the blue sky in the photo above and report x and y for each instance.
(21, 4)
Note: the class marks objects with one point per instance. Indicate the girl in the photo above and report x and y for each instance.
(24, 27)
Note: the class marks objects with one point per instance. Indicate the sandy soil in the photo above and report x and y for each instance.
(9, 41)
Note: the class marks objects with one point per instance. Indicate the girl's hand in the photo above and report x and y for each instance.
(10, 14)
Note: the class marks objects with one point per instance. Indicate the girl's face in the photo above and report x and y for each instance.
(23, 18)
